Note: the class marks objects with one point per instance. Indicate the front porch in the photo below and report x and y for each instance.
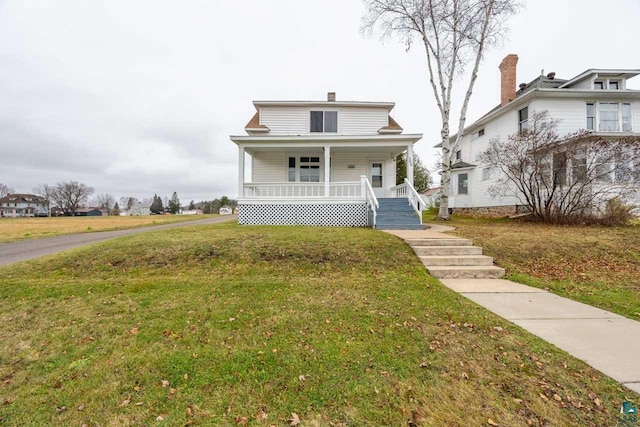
(324, 180)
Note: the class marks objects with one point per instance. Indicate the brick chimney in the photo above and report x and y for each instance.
(331, 96)
(508, 79)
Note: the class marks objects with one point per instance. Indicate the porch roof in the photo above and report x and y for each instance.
(322, 140)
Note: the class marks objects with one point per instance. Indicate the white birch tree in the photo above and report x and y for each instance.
(455, 35)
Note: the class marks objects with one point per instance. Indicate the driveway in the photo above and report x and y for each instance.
(29, 249)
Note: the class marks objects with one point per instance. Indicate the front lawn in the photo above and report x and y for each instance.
(237, 325)
(595, 265)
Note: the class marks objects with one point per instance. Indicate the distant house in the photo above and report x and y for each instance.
(57, 211)
(138, 209)
(88, 212)
(431, 197)
(23, 205)
(191, 211)
(226, 210)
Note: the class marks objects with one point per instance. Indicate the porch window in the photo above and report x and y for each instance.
(292, 169)
(303, 169)
(463, 183)
(560, 169)
(324, 121)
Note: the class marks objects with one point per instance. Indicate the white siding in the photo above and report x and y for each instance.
(340, 167)
(361, 121)
(296, 120)
(269, 167)
(285, 120)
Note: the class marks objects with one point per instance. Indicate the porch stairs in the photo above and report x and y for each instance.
(397, 214)
(454, 258)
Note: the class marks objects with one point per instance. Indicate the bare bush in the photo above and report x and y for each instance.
(564, 179)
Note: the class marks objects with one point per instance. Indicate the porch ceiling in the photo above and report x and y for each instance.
(387, 150)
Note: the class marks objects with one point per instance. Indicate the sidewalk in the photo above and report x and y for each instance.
(606, 341)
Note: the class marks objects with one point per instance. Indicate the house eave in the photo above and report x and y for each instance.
(388, 105)
(618, 73)
(373, 140)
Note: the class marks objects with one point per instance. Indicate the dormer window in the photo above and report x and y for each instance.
(614, 84)
(598, 84)
(324, 121)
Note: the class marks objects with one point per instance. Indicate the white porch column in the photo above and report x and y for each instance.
(410, 163)
(240, 171)
(327, 170)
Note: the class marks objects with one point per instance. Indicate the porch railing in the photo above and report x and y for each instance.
(372, 200)
(406, 190)
(286, 190)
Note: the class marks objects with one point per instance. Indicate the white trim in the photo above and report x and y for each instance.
(306, 201)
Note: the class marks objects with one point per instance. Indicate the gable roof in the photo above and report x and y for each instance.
(22, 198)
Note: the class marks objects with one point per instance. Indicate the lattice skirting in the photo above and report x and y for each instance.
(330, 215)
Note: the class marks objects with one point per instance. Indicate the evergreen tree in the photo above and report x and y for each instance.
(421, 176)
(224, 201)
(174, 204)
(156, 205)
(192, 205)
(116, 210)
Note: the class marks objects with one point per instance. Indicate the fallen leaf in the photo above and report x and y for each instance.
(262, 415)
(295, 419)
(80, 407)
(557, 397)
(597, 402)
(497, 329)
(189, 411)
(61, 409)
(186, 377)
(125, 402)
(135, 331)
(545, 398)
(161, 417)
(491, 422)
(465, 376)
(172, 391)
(517, 400)
(139, 403)
(301, 378)
(242, 421)
(165, 383)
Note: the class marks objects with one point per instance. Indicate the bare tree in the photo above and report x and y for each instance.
(127, 202)
(5, 189)
(105, 201)
(46, 191)
(455, 34)
(71, 195)
(561, 178)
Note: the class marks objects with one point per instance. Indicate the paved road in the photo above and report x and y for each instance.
(29, 249)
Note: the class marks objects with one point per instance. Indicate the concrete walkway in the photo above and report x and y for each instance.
(606, 341)
(28, 249)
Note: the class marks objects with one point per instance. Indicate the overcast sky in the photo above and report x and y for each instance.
(139, 97)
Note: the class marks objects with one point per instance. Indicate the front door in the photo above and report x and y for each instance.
(376, 177)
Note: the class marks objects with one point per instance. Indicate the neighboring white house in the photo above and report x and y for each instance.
(431, 197)
(319, 162)
(23, 205)
(596, 100)
(225, 210)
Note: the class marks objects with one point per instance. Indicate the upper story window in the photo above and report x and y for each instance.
(324, 121)
(458, 155)
(523, 119)
(609, 116)
(477, 135)
(610, 84)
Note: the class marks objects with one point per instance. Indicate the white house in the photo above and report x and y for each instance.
(137, 209)
(23, 205)
(225, 210)
(320, 162)
(597, 100)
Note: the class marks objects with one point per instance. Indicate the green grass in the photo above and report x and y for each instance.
(222, 325)
(595, 265)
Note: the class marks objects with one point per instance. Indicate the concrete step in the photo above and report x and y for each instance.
(466, 272)
(415, 226)
(398, 220)
(447, 250)
(439, 242)
(460, 260)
